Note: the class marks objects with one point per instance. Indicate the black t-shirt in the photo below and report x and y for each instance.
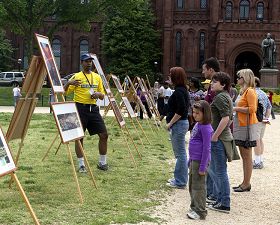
(178, 103)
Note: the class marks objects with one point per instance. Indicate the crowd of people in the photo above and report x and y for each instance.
(220, 118)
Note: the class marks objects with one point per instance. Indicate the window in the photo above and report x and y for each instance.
(9, 75)
(56, 46)
(228, 15)
(203, 4)
(178, 48)
(244, 9)
(18, 75)
(201, 48)
(180, 4)
(2, 75)
(260, 11)
(83, 48)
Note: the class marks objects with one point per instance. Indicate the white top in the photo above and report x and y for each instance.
(16, 92)
(167, 93)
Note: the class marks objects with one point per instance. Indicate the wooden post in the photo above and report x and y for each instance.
(128, 148)
(133, 142)
(50, 147)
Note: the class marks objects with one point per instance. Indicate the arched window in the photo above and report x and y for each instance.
(56, 46)
(83, 48)
(178, 48)
(203, 4)
(180, 4)
(201, 48)
(244, 9)
(228, 13)
(260, 11)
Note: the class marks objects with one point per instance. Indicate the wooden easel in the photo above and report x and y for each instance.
(11, 171)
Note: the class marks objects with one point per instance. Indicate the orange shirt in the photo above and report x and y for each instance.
(248, 99)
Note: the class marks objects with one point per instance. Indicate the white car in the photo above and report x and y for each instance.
(11, 78)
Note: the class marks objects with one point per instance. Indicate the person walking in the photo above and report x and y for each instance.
(199, 158)
(245, 127)
(88, 87)
(259, 149)
(177, 124)
(16, 94)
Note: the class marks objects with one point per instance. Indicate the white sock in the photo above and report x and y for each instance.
(81, 161)
(261, 158)
(102, 159)
(257, 159)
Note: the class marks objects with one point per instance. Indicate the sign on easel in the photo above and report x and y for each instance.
(117, 83)
(7, 166)
(68, 121)
(47, 54)
(117, 112)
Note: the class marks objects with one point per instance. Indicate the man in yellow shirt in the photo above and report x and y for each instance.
(87, 87)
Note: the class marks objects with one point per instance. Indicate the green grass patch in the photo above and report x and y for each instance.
(124, 195)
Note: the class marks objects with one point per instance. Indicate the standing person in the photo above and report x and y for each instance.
(155, 91)
(209, 68)
(16, 94)
(177, 123)
(200, 156)
(259, 149)
(167, 92)
(233, 93)
(270, 95)
(145, 103)
(221, 141)
(87, 87)
(196, 94)
(160, 102)
(246, 107)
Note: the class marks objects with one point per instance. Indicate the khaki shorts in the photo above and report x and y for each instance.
(261, 129)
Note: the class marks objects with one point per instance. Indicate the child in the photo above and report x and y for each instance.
(199, 153)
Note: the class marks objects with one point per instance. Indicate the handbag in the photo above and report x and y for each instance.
(247, 142)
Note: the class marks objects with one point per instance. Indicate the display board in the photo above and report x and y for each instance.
(68, 121)
(117, 83)
(117, 111)
(128, 107)
(47, 54)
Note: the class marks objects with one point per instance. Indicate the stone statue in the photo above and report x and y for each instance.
(269, 52)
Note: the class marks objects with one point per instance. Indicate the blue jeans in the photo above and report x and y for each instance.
(178, 140)
(218, 173)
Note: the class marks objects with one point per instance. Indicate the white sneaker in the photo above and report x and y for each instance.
(193, 215)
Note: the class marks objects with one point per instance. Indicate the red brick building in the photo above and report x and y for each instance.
(191, 31)
(231, 30)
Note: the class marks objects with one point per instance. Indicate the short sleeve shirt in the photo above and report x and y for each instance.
(82, 92)
(221, 107)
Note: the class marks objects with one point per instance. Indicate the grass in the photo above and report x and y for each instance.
(125, 194)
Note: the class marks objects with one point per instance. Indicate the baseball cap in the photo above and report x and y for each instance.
(86, 56)
(207, 81)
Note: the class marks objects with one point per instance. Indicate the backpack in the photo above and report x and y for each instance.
(259, 112)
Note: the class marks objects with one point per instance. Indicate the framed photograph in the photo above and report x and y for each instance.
(7, 164)
(128, 107)
(117, 111)
(141, 84)
(117, 83)
(102, 75)
(47, 54)
(68, 121)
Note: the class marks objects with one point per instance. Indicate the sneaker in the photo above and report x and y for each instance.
(102, 167)
(220, 208)
(257, 165)
(193, 215)
(173, 185)
(171, 180)
(82, 169)
(210, 199)
(210, 204)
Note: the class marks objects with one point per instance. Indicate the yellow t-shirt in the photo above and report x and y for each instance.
(82, 92)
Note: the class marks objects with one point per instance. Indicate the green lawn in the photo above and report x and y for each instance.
(124, 195)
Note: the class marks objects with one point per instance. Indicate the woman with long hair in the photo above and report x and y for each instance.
(177, 123)
(245, 128)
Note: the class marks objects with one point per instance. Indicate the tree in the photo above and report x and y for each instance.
(24, 17)
(130, 41)
(5, 52)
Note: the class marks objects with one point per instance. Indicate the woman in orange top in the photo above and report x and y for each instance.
(245, 129)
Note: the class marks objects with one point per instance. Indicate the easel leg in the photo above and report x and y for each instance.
(14, 176)
(137, 132)
(58, 148)
(74, 172)
(50, 147)
(131, 156)
(133, 142)
(87, 164)
(143, 130)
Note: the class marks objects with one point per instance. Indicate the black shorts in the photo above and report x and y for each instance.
(91, 118)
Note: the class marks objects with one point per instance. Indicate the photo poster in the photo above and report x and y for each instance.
(117, 112)
(102, 75)
(117, 83)
(141, 84)
(7, 164)
(68, 121)
(48, 57)
(128, 107)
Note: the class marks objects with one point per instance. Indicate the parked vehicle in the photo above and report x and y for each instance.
(11, 78)
(65, 79)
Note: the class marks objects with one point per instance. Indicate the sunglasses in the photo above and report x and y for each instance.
(239, 77)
